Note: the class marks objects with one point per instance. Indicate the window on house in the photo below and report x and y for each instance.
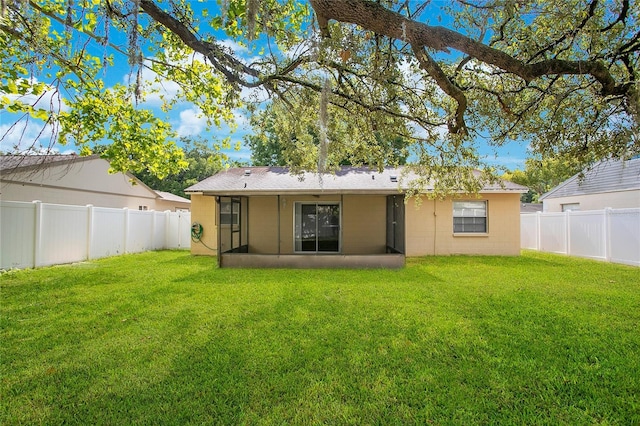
(469, 216)
(143, 208)
(571, 207)
(317, 227)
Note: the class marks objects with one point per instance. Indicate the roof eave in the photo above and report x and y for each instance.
(236, 193)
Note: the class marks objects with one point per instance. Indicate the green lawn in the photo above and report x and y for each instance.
(168, 338)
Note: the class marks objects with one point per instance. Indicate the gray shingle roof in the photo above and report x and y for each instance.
(607, 176)
(19, 162)
(278, 180)
(172, 197)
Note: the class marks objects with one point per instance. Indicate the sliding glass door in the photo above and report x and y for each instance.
(317, 227)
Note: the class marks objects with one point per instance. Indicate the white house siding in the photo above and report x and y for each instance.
(615, 200)
(80, 181)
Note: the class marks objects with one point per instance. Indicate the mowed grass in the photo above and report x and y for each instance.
(167, 338)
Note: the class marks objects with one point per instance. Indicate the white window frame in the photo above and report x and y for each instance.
(471, 209)
(570, 207)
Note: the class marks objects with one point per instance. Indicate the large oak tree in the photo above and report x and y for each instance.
(559, 76)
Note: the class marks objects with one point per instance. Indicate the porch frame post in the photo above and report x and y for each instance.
(279, 225)
(217, 222)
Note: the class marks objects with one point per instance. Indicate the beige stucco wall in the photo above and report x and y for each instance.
(429, 225)
(263, 224)
(85, 181)
(429, 228)
(203, 211)
(364, 224)
(615, 200)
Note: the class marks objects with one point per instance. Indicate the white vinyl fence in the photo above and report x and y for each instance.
(39, 234)
(609, 235)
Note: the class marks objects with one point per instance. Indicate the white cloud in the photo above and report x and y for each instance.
(254, 94)
(156, 88)
(192, 122)
(242, 121)
(234, 47)
(29, 137)
(440, 132)
(50, 99)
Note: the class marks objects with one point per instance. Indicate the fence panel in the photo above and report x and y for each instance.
(184, 228)
(39, 234)
(624, 238)
(180, 230)
(108, 237)
(609, 234)
(160, 230)
(554, 237)
(587, 234)
(140, 231)
(64, 234)
(529, 231)
(173, 238)
(17, 228)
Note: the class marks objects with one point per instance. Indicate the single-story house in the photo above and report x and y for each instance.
(357, 217)
(75, 180)
(614, 184)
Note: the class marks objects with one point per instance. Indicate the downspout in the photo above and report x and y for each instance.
(279, 225)
(217, 223)
(247, 218)
(340, 234)
(435, 226)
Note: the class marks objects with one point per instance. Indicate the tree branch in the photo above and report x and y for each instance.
(427, 63)
(375, 17)
(232, 68)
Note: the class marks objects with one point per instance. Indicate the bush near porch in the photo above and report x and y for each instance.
(164, 337)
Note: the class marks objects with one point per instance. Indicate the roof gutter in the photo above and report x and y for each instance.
(333, 192)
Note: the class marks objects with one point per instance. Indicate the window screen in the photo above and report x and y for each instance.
(469, 216)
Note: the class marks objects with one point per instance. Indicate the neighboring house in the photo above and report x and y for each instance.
(265, 216)
(614, 184)
(173, 202)
(530, 207)
(75, 180)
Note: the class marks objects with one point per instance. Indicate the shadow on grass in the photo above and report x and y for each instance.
(321, 277)
(528, 260)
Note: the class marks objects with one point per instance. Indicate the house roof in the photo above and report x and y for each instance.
(168, 196)
(606, 176)
(351, 180)
(530, 207)
(10, 163)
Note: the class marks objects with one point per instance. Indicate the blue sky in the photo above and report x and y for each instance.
(186, 122)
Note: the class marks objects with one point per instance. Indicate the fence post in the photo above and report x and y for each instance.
(167, 229)
(89, 229)
(567, 234)
(606, 237)
(126, 229)
(37, 243)
(153, 230)
(538, 230)
(180, 219)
